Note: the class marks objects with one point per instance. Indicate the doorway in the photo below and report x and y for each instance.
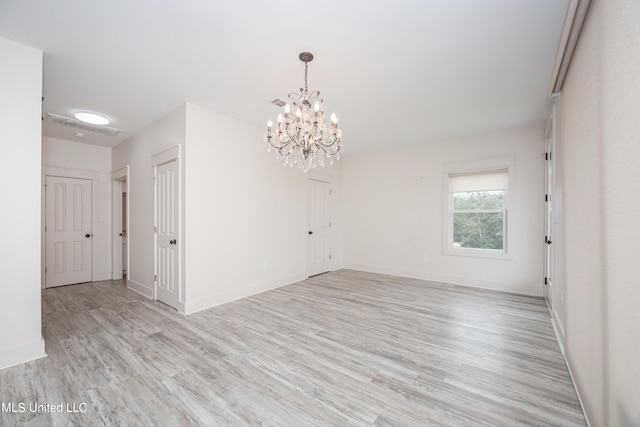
(167, 233)
(120, 233)
(318, 227)
(123, 234)
(168, 279)
(68, 231)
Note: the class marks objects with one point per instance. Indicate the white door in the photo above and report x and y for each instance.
(123, 234)
(319, 227)
(68, 232)
(549, 222)
(167, 234)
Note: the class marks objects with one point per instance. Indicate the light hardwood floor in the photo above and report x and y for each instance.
(341, 349)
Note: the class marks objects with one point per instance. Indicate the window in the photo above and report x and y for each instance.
(478, 212)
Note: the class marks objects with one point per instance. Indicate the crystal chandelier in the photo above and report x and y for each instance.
(302, 136)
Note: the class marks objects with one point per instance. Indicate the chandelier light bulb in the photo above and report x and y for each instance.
(316, 107)
(286, 108)
(279, 118)
(334, 119)
(269, 124)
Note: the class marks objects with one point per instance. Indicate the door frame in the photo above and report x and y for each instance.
(117, 178)
(168, 155)
(70, 173)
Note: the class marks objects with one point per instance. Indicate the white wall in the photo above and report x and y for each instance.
(76, 156)
(21, 108)
(136, 152)
(394, 207)
(245, 213)
(599, 131)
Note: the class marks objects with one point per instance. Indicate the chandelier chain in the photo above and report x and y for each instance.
(306, 67)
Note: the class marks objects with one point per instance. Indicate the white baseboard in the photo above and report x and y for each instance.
(98, 277)
(522, 288)
(191, 307)
(143, 290)
(22, 354)
(575, 387)
(558, 329)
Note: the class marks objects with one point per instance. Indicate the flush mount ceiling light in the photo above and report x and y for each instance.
(302, 136)
(92, 118)
(82, 126)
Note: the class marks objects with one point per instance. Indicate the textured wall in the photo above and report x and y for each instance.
(599, 140)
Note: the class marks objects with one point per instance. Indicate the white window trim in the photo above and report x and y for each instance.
(479, 166)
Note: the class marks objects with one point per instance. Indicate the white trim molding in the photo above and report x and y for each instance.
(117, 177)
(144, 290)
(21, 354)
(222, 298)
(529, 289)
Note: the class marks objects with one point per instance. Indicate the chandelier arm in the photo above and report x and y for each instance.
(329, 144)
(280, 146)
(330, 152)
(277, 147)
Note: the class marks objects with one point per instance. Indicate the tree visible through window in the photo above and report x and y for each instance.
(478, 210)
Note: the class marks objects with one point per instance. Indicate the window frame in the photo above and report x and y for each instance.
(479, 167)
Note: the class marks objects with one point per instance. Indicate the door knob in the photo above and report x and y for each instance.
(87, 235)
(548, 242)
(172, 242)
(310, 232)
(120, 234)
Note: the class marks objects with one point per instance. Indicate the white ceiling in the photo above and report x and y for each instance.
(395, 72)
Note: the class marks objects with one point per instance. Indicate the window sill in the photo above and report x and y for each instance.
(479, 253)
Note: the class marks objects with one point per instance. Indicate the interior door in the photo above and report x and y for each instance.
(319, 227)
(549, 222)
(123, 234)
(167, 234)
(68, 233)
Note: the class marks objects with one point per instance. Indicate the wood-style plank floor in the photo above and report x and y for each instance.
(341, 349)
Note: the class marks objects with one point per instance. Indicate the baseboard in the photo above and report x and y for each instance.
(191, 307)
(522, 289)
(575, 387)
(102, 276)
(558, 330)
(21, 354)
(137, 287)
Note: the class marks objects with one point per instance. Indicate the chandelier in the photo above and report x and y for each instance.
(302, 136)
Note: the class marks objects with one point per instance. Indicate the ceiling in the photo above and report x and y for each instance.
(394, 72)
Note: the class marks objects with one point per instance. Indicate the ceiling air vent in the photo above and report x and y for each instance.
(77, 124)
(279, 102)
